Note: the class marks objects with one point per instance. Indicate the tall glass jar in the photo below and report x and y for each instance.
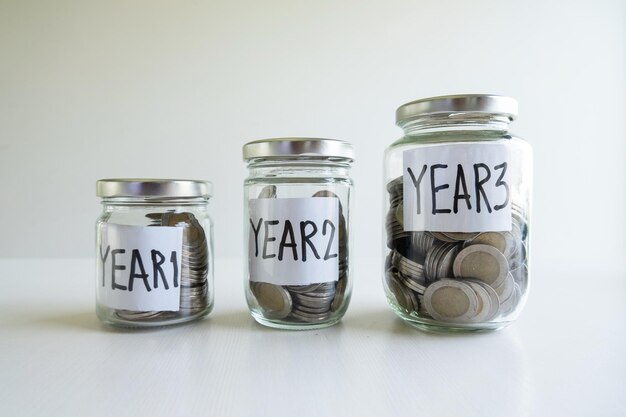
(297, 231)
(154, 252)
(458, 188)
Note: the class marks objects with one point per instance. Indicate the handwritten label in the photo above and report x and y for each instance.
(457, 188)
(293, 241)
(139, 267)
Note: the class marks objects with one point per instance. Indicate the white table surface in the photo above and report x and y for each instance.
(564, 356)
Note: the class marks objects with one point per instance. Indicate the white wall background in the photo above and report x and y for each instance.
(93, 89)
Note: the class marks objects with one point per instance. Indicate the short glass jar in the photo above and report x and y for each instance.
(297, 200)
(458, 188)
(154, 252)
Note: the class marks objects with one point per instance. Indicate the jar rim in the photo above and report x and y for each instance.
(153, 187)
(298, 147)
(457, 104)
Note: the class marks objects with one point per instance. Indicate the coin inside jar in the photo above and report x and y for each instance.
(405, 298)
(457, 214)
(451, 300)
(269, 191)
(482, 262)
(273, 299)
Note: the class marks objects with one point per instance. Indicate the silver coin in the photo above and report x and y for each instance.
(459, 236)
(482, 262)
(446, 259)
(451, 301)
(273, 299)
(312, 301)
(312, 310)
(433, 263)
(396, 186)
(319, 294)
(304, 288)
(505, 242)
(194, 267)
(340, 292)
(405, 299)
(325, 193)
(399, 213)
(493, 297)
(268, 191)
(520, 275)
(507, 287)
(413, 285)
(310, 318)
(509, 305)
(137, 315)
(407, 267)
(442, 237)
(312, 304)
(484, 302)
(421, 243)
(518, 258)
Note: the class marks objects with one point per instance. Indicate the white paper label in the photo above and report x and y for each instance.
(293, 241)
(139, 267)
(457, 188)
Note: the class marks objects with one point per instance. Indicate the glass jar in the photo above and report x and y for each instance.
(154, 252)
(297, 231)
(457, 214)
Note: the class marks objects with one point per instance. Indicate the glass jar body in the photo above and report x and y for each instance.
(154, 261)
(448, 265)
(297, 237)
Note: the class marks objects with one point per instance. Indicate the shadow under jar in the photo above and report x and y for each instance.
(457, 214)
(297, 231)
(154, 252)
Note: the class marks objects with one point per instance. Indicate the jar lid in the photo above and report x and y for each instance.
(148, 187)
(298, 147)
(463, 103)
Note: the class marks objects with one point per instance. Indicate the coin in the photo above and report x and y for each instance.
(482, 262)
(268, 191)
(451, 300)
(520, 276)
(412, 284)
(407, 267)
(421, 243)
(405, 298)
(194, 268)
(492, 265)
(459, 236)
(273, 299)
(484, 302)
(505, 289)
(493, 297)
(325, 193)
(504, 242)
(310, 317)
(439, 260)
(509, 305)
(340, 294)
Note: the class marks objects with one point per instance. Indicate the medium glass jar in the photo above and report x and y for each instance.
(154, 252)
(458, 188)
(297, 231)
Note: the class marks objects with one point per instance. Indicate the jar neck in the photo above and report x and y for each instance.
(455, 122)
(113, 203)
(300, 167)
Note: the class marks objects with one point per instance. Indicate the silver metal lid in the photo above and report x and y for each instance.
(148, 187)
(463, 103)
(290, 147)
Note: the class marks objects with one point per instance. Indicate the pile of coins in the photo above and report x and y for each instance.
(313, 303)
(194, 285)
(454, 277)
